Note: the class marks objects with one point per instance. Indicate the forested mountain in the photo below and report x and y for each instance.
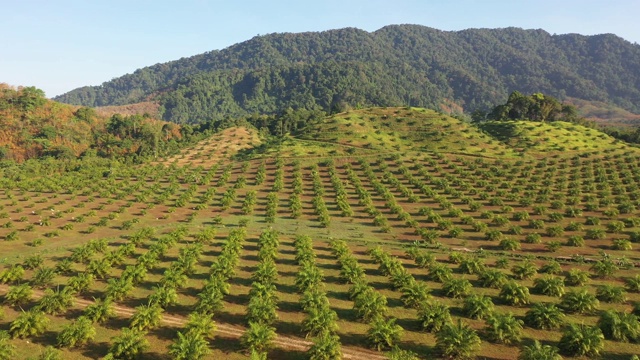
(396, 65)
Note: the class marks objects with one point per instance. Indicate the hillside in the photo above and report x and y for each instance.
(32, 126)
(396, 65)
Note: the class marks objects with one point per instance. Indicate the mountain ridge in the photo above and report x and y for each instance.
(395, 65)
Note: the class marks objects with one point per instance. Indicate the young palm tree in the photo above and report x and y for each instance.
(128, 345)
(18, 295)
(100, 311)
(581, 340)
(633, 283)
(370, 304)
(604, 268)
(80, 283)
(471, 265)
(515, 294)
(504, 328)
(579, 301)
(201, 323)
(439, 272)
(544, 316)
(549, 285)
(384, 334)
(29, 323)
(524, 270)
(56, 301)
(492, 278)
(76, 333)
(611, 294)
(318, 320)
(258, 338)
(146, 317)
(433, 316)
(619, 326)
(414, 294)
(457, 341)
(7, 349)
(456, 287)
(326, 346)
(576, 277)
(538, 351)
(189, 346)
(478, 306)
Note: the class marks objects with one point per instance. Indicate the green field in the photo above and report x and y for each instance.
(426, 210)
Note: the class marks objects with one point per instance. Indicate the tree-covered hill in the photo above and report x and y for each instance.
(396, 65)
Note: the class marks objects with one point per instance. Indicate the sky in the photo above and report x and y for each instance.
(59, 45)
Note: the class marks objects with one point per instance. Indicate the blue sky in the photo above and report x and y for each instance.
(60, 45)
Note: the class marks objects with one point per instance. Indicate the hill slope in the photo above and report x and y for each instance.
(396, 65)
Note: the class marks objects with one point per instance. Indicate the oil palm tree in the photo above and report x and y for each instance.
(100, 311)
(514, 293)
(549, 285)
(538, 351)
(190, 345)
(504, 328)
(128, 345)
(581, 340)
(478, 306)
(326, 346)
(77, 333)
(433, 316)
(457, 341)
(544, 316)
(29, 323)
(579, 301)
(619, 326)
(384, 333)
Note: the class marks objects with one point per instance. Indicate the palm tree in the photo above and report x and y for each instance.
(128, 345)
(477, 306)
(611, 293)
(619, 326)
(552, 267)
(100, 311)
(492, 278)
(201, 323)
(258, 337)
(43, 277)
(504, 328)
(414, 294)
(370, 304)
(633, 283)
(80, 282)
(524, 270)
(433, 316)
(76, 333)
(513, 293)
(579, 301)
(604, 268)
(18, 295)
(326, 346)
(439, 272)
(544, 316)
(164, 296)
(549, 285)
(146, 317)
(29, 323)
(471, 265)
(7, 349)
(318, 320)
(191, 345)
(538, 351)
(576, 277)
(456, 287)
(581, 340)
(56, 301)
(384, 334)
(457, 341)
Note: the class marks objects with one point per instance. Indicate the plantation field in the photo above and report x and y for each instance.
(356, 252)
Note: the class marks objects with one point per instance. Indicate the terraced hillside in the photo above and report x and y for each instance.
(300, 257)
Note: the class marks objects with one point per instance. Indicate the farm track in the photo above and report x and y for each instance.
(283, 342)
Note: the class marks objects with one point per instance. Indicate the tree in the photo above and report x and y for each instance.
(383, 333)
(478, 306)
(619, 326)
(456, 287)
(128, 345)
(29, 323)
(492, 278)
(326, 346)
(414, 294)
(370, 304)
(513, 293)
(549, 285)
(504, 328)
(433, 316)
(318, 320)
(579, 301)
(577, 277)
(524, 270)
(146, 317)
(611, 293)
(538, 351)
(100, 311)
(56, 301)
(201, 323)
(7, 349)
(258, 337)
(189, 346)
(76, 333)
(581, 340)
(544, 316)
(18, 295)
(457, 341)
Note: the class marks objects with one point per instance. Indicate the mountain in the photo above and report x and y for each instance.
(395, 65)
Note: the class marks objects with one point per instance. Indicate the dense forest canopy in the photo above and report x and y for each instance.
(396, 65)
